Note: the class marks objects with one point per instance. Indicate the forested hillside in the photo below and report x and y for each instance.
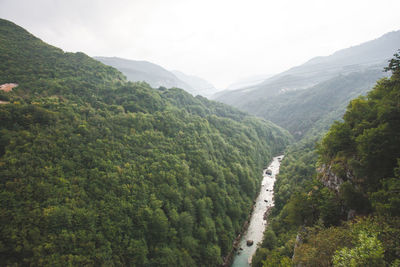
(342, 209)
(301, 111)
(98, 171)
(199, 85)
(317, 91)
(143, 71)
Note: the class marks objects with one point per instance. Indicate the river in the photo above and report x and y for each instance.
(257, 222)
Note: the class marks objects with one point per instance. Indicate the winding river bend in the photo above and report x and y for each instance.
(257, 222)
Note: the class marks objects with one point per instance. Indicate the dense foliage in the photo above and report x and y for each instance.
(300, 110)
(95, 170)
(358, 222)
(366, 143)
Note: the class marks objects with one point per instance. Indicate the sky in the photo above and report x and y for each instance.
(221, 41)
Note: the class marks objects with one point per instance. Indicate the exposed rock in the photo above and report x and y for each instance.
(330, 179)
(267, 212)
(249, 243)
(299, 239)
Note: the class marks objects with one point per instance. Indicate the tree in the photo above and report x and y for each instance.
(394, 64)
(367, 252)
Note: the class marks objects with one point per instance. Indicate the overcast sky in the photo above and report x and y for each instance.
(219, 40)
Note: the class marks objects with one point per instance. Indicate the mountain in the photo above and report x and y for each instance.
(301, 111)
(373, 53)
(249, 81)
(153, 74)
(199, 86)
(242, 83)
(289, 97)
(99, 171)
(157, 76)
(345, 212)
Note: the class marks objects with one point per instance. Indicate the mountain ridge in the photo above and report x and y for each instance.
(139, 70)
(157, 76)
(310, 72)
(199, 85)
(270, 99)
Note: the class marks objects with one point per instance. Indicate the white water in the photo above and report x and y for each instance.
(257, 222)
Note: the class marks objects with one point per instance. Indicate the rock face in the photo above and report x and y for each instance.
(250, 242)
(299, 240)
(330, 179)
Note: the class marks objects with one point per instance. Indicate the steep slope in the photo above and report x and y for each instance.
(95, 170)
(349, 214)
(301, 111)
(199, 85)
(287, 97)
(319, 69)
(139, 71)
(364, 149)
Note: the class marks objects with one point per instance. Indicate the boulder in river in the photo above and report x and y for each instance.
(250, 243)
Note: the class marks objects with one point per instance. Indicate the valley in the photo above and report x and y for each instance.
(107, 161)
(259, 217)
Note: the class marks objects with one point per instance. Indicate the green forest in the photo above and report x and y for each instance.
(337, 197)
(98, 171)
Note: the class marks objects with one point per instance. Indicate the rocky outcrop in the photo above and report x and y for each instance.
(331, 179)
(299, 239)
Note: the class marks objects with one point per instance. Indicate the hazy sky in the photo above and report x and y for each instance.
(219, 40)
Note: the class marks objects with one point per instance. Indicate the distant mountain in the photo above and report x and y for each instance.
(242, 83)
(316, 85)
(151, 73)
(249, 81)
(316, 108)
(199, 85)
(319, 69)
